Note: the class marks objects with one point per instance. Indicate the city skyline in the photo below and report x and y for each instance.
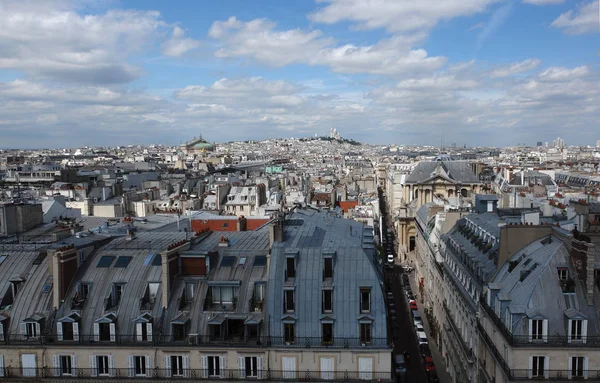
(75, 73)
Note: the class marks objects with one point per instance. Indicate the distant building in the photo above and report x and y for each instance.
(539, 143)
(196, 146)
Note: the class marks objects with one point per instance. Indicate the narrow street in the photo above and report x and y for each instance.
(401, 325)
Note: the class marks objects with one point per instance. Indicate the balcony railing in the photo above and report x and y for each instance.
(561, 375)
(525, 341)
(123, 374)
(465, 349)
(202, 341)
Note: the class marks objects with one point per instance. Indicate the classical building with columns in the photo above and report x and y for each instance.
(442, 182)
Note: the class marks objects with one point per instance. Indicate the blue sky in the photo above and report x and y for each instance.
(501, 72)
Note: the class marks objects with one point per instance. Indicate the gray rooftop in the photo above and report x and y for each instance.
(308, 236)
(458, 171)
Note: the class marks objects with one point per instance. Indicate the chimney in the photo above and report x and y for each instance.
(170, 268)
(276, 231)
(104, 194)
(241, 223)
(593, 253)
(63, 267)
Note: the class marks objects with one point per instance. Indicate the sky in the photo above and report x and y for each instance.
(477, 72)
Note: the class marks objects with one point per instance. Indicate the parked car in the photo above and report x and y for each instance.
(405, 280)
(422, 337)
(410, 296)
(413, 305)
(424, 350)
(390, 258)
(428, 363)
(400, 366)
(417, 317)
(432, 377)
(419, 327)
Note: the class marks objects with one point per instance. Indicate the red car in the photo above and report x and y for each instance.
(429, 366)
(413, 305)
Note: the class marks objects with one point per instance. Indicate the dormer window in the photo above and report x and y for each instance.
(538, 330)
(190, 292)
(67, 328)
(327, 267)
(290, 270)
(105, 328)
(563, 273)
(577, 331)
(143, 328)
(2, 326)
(32, 327)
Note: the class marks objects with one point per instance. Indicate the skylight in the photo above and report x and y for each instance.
(260, 260)
(227, 261)
(105, 261)
(123, 261)
(47, 287)
(242, 261)
(148, 259)
(2, 258)
(157, 261)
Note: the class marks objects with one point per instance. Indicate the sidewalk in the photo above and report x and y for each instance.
(440, 366)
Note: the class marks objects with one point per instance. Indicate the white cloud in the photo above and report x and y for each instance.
(178, 45)
(515, 68)
(258, 40)
(543, 2)
(584, 19)
(49, 40)
(559, 74)
(397, 15)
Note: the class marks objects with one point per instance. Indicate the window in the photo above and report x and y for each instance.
(66, 365)
(176, 365)
(563, 274)
(576, 332)
(190, 292)
(578, 367)
(250, 366)
(365, 333)
(260, 261)
(84, 290)
(327, 333)
(290, 271)
(32, 329)
(143, 331)
(118, 289)
(537, 330)
(288, 301)
(538, 366)
(365, 299)
(140, 365)
(328, 268)
(289, 332)
(327, 301)
(214, 365)
(222, 294)
(68, 330)
(227, 261)
(123, 262)
(105, 261)
(102, 365)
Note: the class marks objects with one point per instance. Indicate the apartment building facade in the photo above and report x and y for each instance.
(158, 305)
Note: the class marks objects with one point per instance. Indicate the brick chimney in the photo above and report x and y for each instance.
(63, 266)
(276, 231)
(241, 223)
(170, 268)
